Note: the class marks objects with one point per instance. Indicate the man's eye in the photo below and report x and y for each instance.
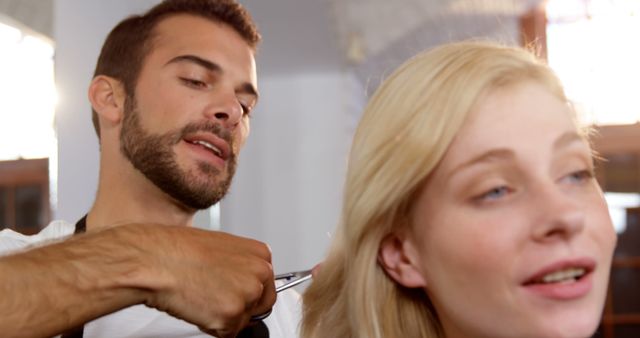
(246, 110)
(194, 83)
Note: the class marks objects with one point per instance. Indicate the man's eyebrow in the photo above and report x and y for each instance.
(210, 66)
(245, 88)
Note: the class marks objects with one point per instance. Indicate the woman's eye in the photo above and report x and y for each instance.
(494, 193)
(194, 83)
(580, 176)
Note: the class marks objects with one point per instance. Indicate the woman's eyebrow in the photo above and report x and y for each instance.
(567, 139)
(562, 141)
(487, 156)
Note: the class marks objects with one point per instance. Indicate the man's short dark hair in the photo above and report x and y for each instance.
(131, 40)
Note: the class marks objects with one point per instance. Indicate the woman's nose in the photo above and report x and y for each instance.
(560, 214)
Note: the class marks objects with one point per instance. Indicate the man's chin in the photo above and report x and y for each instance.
(203, 196)
(193, 206)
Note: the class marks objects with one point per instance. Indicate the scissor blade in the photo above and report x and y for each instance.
(295, 279)
(289, 275)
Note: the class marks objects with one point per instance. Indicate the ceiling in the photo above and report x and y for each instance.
(298, 36)
(32, 14)
(297, 33)
(379, 23)
(369, 36)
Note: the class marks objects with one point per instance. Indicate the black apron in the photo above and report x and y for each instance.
(257, 330)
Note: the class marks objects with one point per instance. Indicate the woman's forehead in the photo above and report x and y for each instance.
(520, 117)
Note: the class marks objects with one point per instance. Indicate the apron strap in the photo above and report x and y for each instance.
(77, 332)
(257, 330)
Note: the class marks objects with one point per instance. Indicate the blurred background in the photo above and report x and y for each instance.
(318, 63)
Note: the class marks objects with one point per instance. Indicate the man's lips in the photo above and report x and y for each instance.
(212, 143)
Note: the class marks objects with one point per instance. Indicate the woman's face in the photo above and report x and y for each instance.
(511, 234)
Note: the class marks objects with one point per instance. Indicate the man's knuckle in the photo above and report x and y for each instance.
(263, 250)
(255, 290)
(232, 309)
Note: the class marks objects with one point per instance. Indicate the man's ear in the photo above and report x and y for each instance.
(398, 257)
(107, 97)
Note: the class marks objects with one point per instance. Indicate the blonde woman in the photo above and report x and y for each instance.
(470, 208)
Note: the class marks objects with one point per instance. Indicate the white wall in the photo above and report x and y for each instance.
(80, 27)
(288, 188)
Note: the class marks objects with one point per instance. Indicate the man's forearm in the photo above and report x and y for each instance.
(51, 289)
(206, 278)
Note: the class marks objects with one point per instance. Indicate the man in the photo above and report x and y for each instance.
(171, 97)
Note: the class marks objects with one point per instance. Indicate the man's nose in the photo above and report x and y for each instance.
(560, 214)
(225, 109)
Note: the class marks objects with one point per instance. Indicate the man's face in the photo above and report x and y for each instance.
(185, 125)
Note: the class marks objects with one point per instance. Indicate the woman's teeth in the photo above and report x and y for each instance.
(567, 275)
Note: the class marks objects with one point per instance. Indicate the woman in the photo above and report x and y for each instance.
(470, 208)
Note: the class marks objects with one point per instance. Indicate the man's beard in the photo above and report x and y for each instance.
(154, 157)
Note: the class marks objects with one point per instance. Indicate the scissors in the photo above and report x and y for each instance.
(290, 280)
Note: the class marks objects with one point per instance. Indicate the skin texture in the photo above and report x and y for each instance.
(139, 247)
(514, 194)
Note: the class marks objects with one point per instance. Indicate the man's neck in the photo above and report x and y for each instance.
(126, 196)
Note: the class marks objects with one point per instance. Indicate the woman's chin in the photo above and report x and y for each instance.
(580, 326)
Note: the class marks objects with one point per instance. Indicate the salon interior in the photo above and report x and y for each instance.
(317, 65)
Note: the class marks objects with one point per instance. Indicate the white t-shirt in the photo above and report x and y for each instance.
(140, 321)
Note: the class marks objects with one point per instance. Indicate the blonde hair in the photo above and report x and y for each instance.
(406, 128)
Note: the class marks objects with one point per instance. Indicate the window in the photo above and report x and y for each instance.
(591, 44)
(26, 128)
(24, 195)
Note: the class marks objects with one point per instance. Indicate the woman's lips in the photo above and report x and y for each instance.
(563, 280)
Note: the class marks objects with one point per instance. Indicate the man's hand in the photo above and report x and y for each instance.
(214, 280)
